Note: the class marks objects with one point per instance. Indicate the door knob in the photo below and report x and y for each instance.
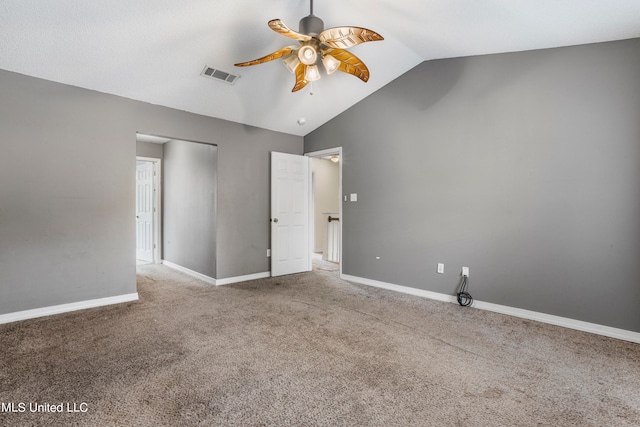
(275, 219)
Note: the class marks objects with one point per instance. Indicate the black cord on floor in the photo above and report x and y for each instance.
(464, 298)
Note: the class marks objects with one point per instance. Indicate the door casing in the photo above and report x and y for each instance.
(324, 153)
(156, 203)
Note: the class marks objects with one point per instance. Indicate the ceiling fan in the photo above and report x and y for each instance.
(316, 42)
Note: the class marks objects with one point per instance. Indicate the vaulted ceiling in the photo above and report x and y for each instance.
(155, 50)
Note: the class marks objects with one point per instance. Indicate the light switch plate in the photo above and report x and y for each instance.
(354, 197)
(440, 268)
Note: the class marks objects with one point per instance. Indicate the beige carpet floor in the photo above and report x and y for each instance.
(308, 349)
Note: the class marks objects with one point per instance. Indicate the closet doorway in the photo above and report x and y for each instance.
(147, 210)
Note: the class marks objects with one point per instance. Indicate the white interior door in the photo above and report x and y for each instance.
(290, 214)
(144, 211)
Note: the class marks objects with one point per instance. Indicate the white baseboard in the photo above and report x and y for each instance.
(65, 308)
(398, 288)
(579, 325)
(192, 273)
(217, 282)
(236, 279)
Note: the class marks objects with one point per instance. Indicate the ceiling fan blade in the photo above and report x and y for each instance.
(300, 80)
(349, 63)
(345, 37)
(279, 27)
(285, 51)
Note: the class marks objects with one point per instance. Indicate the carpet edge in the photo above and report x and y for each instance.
(594, 328)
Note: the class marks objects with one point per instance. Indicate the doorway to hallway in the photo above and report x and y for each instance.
(326, 248)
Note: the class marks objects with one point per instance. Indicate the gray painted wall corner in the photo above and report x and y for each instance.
(189, 208)
(67, 171)
(523, 166)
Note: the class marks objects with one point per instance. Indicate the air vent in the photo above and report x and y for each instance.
(221, 76)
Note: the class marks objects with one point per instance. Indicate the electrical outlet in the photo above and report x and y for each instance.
(440, 268)
(465, 271)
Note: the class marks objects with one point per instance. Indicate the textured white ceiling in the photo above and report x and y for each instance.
(154, 50)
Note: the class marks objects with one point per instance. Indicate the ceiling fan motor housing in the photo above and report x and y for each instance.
(311, 25)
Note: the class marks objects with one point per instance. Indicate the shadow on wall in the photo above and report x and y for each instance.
(421, 93)
(444, 75)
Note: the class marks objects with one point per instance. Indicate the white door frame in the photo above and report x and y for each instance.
(157, 203)
(323, 153)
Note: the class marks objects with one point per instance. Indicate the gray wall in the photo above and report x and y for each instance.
(523, 166)
(67, 162)
(189, 183)
(149, 149)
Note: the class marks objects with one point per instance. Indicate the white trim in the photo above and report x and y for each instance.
(565, 322)
(217, 282)
(236, 279)
(398, 288)
(64, 308)
(325, 152)
(311, 230)
(192, 273)
(321, 153)
(157, 205)
(312, 214)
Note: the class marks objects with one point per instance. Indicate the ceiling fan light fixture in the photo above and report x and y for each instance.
(307, 55)
(291, 62)
(315, 41)
(330, 63)
(311, 73)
